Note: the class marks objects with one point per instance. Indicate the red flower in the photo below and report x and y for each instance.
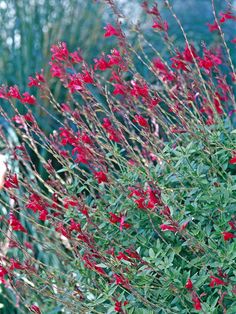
(15, 224)
(154, 10)
(184, 225)
(16, 265)
(101, 64)
(159, 65)
(35, 309)
(28, 245)
(111, 31)
(75, 57)
(12, 182)
(39, 78)
(70, 202)
(60, 52)
(119, 89)
(114, 135)
(153, 198)
(166, 211)
(213, 27)
(62, 230)
(56, 70)
(189, 53)
(196, 302)
(210, 60)
(165, 227)
(43, 215)
(3, 271)
(114, 218)
(141, 121)
(115, 58)
(29, 117)
(141, 202)
(232, 225)
(218, 106)
(123, 223)
(121, 280)
(139, 90)
(28, 99)
(14, 92)
(161, 26)
(87, 77)
(227, 16)
(228, 235)
(3, 93)
(179, 63)
(232, 161)
(233, 41)
(122, 256)
(133, 254)
(163, 70)
(75, 83)
(118, 306)
(119, 219)
(101, 176)
(75, 226)
(189, 284)
(233, 76)
(217, 281)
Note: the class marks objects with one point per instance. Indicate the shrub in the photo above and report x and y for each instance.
(128, 205)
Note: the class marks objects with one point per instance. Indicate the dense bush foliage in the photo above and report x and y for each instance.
(128, 204)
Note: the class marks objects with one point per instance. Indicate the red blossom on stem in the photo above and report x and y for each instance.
(101, 64)
(228, 235)
(232, 224)
(101, 177)
(37, 81)
(111, 31)
(16, 265)
(213, 27)
(28, 99)
(189, 284)
(161, 26)
(139, 90)
(3, 273)
(209, 60)
(165, 227)
(118, 306)
(196, 301)
(217, 282)
(121, 280)
(11, 182)
(228, 15)
(60, 52)
(15, 224)
(232, 161)
(141, 121)
(35, 309)
(75, 57)
(14, 92)
(119, 219)
(114, 135)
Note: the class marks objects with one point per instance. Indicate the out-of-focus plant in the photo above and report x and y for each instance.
(133, 208)
(29, 28)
